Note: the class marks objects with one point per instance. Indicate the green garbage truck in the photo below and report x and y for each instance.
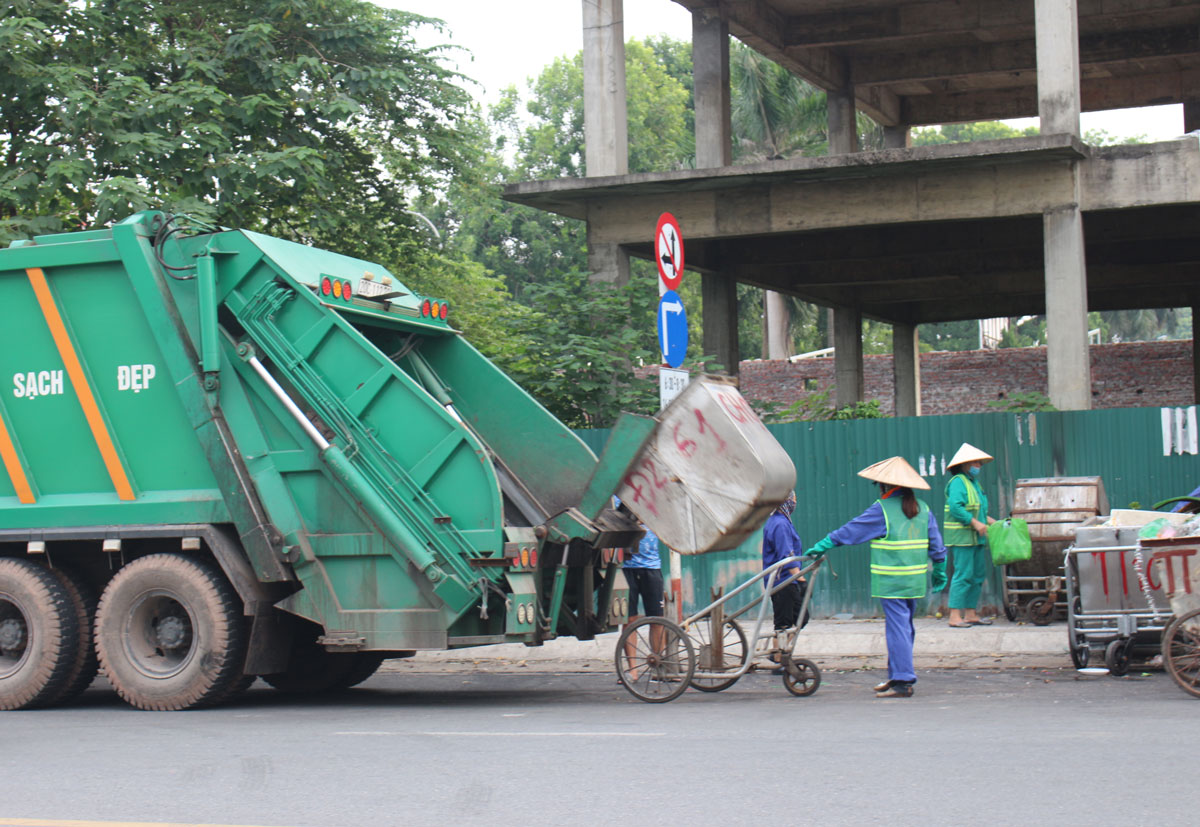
(225, 455)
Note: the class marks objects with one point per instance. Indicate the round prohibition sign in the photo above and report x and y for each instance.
(668, 251)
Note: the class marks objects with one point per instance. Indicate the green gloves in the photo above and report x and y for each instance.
(821, 546)
(939, 575)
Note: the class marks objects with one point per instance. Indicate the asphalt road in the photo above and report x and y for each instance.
(1022, 746)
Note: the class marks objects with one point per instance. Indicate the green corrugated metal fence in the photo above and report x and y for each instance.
(1125, 447)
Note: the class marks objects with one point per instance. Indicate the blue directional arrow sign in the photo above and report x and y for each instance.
(672, 329)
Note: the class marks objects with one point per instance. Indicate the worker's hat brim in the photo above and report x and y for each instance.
(895, 471)
(968, 453)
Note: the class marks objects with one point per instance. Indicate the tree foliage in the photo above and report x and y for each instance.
(308, 118)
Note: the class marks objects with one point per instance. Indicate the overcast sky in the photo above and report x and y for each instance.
(513, 41)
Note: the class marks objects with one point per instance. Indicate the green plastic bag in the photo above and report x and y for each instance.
(1009, 541)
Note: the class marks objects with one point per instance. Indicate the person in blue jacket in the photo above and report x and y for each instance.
(781, 541)
(904, 537)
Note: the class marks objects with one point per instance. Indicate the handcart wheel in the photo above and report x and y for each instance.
(1116, 657)
(1007, 599)
(729, 657)
(1080, 655)
(1181, 651)
(1036, 611)
(801, 676)
(655, 659)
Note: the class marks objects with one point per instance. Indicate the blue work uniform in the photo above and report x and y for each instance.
(898, 612)
(781, 541)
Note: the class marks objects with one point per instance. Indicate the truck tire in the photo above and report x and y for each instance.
(85, 664)
(39, 635)
(312, 670)
(364, 666)
(170, 633)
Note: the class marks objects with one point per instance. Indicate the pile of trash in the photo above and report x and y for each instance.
(1163, 528)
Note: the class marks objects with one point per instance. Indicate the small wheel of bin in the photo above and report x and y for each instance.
(801, 676)
(1037, 612)
(1081, 653)
(655, 660)
(1116, 657)
(729, 656)
(1181, 651)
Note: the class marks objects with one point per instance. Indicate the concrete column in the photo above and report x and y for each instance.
(718, 300)
(1057, 35)
(847, 356)
(897, 137)
(1068, 365)
(710, 81)
(906, 369)
(607, 261)
(843, 128)
(605, 124)
(1195, 302)
(1191, 115)
(778, 326)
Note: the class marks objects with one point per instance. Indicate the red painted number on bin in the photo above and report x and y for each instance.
(688, 446)
(737, 407)
(646, 492)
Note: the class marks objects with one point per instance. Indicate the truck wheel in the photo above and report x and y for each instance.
(170, 633)
(39, 635)
(365, 665)
(85, 665)
(312, 670)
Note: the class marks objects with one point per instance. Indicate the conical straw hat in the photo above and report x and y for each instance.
(968, 453)
(894, 471)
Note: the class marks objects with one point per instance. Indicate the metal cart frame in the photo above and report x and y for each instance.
(657, 659)
(1117, 600)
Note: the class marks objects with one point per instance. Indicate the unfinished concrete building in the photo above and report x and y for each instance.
(912, 235)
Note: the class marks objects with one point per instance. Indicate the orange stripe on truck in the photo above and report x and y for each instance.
(82, 390)
(8, 453)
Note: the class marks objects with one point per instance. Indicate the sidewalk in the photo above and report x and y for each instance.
(837, 644)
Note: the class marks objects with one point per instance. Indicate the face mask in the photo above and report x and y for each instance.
(788, 507)
(974, 471)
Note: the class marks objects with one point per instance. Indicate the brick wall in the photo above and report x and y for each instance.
(1127, 375)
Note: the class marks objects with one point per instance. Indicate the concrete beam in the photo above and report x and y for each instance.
(710, 71)
(606, 131)
(847, 356)
(978, 59)
(906, 369)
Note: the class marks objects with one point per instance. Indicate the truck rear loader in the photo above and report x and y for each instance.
(226, 455)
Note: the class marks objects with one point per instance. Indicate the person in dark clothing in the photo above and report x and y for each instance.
(780, 541)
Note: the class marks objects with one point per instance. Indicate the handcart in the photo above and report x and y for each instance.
(657, 659)
(1118, 588)
(1033, 589)
(1175, 565)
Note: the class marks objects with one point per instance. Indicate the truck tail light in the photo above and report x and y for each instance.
(326, 286)
(445, 309)
(435, 310)
(533, 557)
(524, 558)
(347, 291)
(425, 308)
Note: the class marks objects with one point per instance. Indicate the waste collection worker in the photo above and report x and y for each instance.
(904, 537)
(643, 573)
(965, 531)
(781, 541)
